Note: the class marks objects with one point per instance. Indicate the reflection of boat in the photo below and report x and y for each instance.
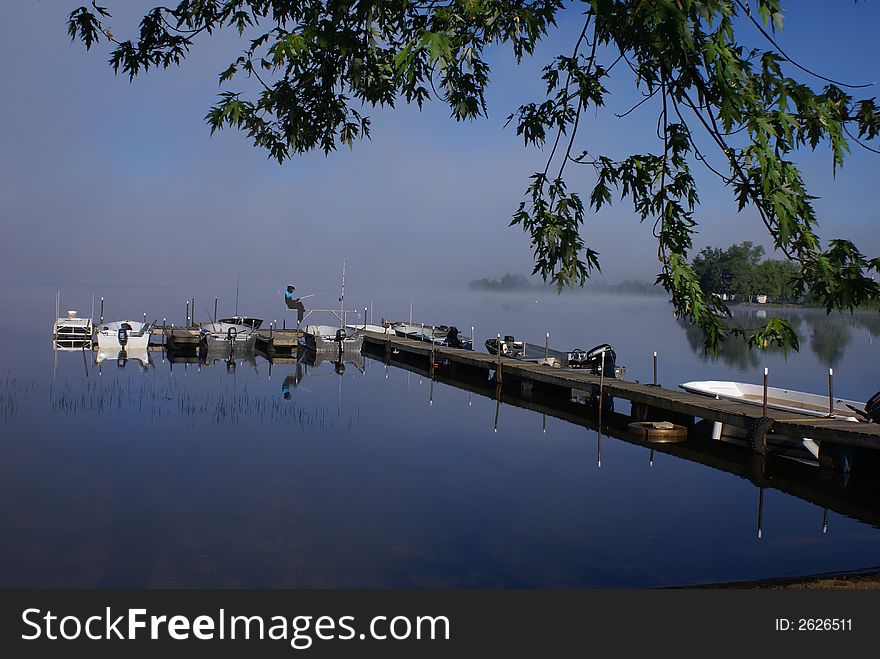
(253, 323)
(230, 337)
(230, 359)
(779, 398)
(314, 358)
(324, 337)
(123, 356)
(594, 360)
(71, 330)
(124, 334)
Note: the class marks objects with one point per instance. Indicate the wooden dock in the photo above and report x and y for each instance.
(278, 340)
(649, 402)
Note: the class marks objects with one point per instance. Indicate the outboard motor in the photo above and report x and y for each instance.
(340, 335)
(231, 333)
(122, 336)
(872, 408)
(595, 360)
(452, 339)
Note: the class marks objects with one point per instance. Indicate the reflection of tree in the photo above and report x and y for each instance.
(870, 320)
(735, 350)
(831, 334)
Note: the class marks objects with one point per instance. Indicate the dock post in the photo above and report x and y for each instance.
(284, 323)
(498, 376)
(764, 405)
(365, 318)
(831, 392)
(546, 346)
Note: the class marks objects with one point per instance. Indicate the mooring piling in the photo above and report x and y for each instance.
(830, 392)
(764, 403)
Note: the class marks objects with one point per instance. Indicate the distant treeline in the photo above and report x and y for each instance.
(741, 272)
(510, 282)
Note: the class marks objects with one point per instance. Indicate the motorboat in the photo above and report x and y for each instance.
(72, 331)
(229, 337)
(597, 360)
(253, 323)
(124, 335)
(786, 399)
(441, 335)
(324, 337)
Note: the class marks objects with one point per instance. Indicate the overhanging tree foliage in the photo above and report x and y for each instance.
(734, 110)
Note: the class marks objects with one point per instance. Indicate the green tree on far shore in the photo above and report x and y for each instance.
(739, 270)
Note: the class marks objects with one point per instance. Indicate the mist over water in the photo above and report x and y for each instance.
(273, 475)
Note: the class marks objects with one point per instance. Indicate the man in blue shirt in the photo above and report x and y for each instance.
(294, 303)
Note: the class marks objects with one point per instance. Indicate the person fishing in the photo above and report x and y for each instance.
(293, 302)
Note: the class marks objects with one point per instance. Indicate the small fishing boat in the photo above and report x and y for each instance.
(124, 335)
(324, 337)
(253, 323)
(230, 337)
(594, 360)
(441, 335)
(72, 331)
(783, 399)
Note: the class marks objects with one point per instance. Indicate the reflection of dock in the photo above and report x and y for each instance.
(649, 402)
(854, 496)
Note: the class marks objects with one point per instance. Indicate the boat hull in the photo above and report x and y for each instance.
(324, 337)
(228, 337)
(777, 398)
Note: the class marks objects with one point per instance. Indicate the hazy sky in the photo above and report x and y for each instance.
(106, 180)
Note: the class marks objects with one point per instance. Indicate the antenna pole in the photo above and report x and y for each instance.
(342, 299)
(237, 278)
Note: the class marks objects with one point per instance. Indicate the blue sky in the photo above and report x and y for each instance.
(105, 179)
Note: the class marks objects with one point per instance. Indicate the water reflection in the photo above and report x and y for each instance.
(828, 336)
(140, 357)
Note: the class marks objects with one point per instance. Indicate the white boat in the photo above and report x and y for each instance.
(230, 337)
(323, 337)
(71, 329)
(777, 398)
(126, 335)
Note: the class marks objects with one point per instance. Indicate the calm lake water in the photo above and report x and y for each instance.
(187, 475)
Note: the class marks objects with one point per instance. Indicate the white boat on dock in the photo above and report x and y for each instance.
(231, 337)
(324, 337)
(129, 335)
(778, 398)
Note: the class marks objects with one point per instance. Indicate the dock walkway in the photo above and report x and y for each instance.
(681, 404)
